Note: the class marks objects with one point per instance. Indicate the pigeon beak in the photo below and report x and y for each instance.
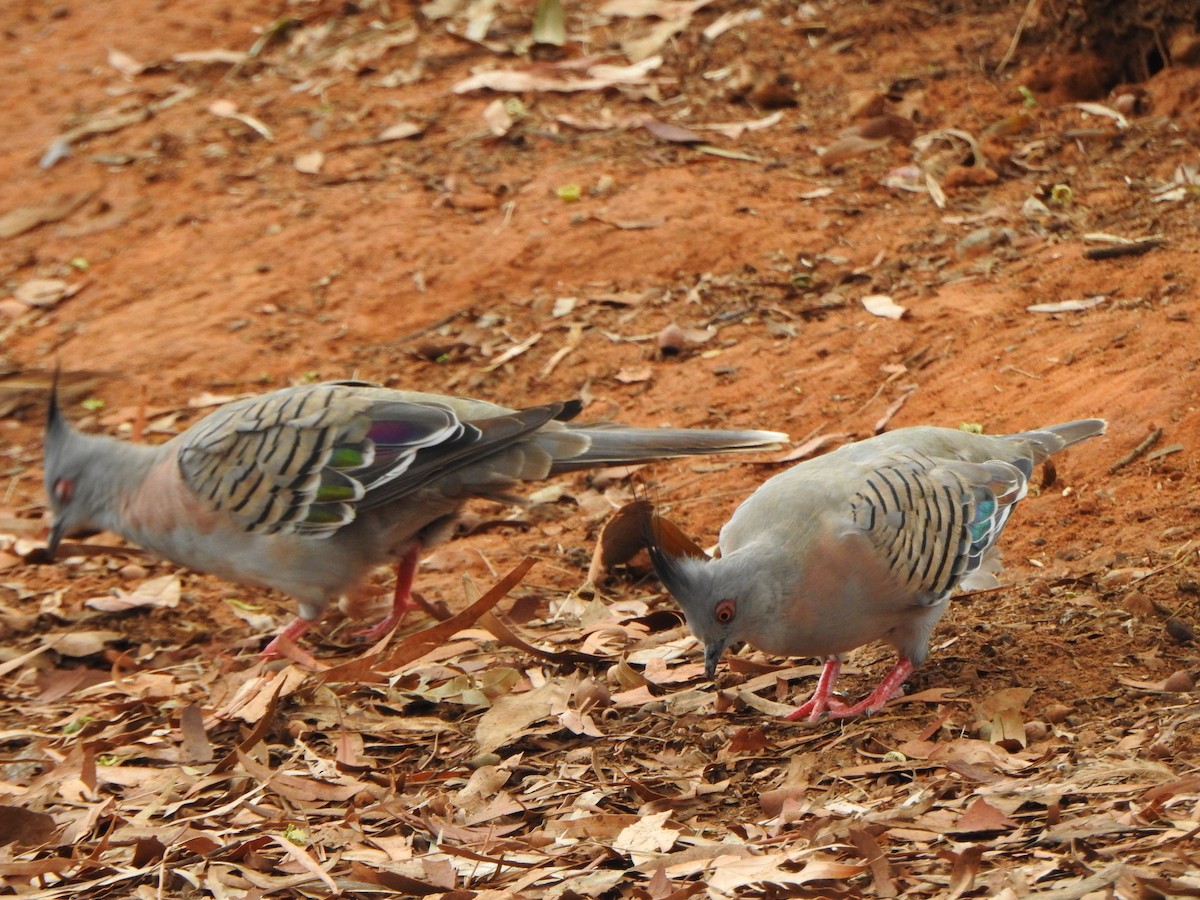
(712, 655)
(56, 536)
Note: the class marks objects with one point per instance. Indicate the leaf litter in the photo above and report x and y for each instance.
(453, 762)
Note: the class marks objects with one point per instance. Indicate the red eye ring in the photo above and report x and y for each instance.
(64, 490)
(725, 611)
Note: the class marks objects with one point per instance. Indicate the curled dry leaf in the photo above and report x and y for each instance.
(634, 374)
(227, 109)
(399, 132)
(163, 592)
(497, 118)
(735, 130)
(124, 63)
(598, 77)
(45, 292)
(1066, 305)
(82, 643)
(309, 163)
(620, 539)
(848, 147)
(666, 131)
(883, 306)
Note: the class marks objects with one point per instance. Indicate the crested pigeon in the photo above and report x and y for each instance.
(306, 489)
(866, 543)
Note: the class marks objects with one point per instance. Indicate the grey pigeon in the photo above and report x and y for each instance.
(306, 489)
(866, 543)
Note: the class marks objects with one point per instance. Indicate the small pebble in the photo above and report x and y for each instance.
(1138, 603)
(671, 340)
(1056, 713)
(1180, 631)
(1036, 731)
(1180, 682)
(132, 572)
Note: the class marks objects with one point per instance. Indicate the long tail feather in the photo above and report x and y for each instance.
(616, 444)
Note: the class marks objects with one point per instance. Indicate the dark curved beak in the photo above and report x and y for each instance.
(57, 532)
(712, 655)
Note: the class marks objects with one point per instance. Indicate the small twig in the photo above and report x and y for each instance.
(432, 326)
(1137, 248)
(1151, 439)
(891, 411)
(1016, 38)
(1021, 372)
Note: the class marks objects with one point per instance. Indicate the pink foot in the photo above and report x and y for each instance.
(822, 698)
(891, 687)
(823, 704)
(403, 601)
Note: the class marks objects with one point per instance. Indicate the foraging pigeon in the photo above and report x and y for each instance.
(863, 544)
(306, 489)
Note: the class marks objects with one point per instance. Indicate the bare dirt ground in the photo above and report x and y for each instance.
(200, 199)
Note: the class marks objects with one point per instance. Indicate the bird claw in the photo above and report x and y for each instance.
(375, 632)
(285, 642)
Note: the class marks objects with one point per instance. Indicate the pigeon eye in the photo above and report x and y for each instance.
(64, 490)
(725, 611)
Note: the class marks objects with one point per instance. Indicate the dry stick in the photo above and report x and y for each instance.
(1150, 441)
(1137, 248)
(1016, 38)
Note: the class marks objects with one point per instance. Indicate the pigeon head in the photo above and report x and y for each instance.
(68, 457)
(708, 590)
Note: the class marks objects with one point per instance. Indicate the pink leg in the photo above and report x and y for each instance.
(822, 698)
(403, 601)
(296, 629)
(891, 686)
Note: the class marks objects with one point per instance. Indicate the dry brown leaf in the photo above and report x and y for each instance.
(24, 827)
(598, 77)
(163, 592)
(646, 839)
(619, 541)
(675, 134)
(981, 816)
(849, 147)
(52, 209)
(83, 643)
(634, 374)
(513, 352)
(731, 875)
(511, 715)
